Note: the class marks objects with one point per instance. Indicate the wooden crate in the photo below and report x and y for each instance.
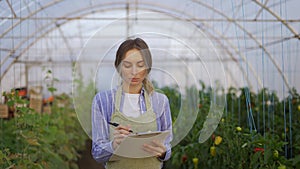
(47, 109)
(35, 90)
(36, 102)
(62, 103)
(4, 111)
(36, 98)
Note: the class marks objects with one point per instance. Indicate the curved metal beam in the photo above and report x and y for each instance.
(252, 37)
(11, 9)
(228, 52)
(66, 42)
(36, 39)
(228, 19)
(45, 26)
(296, 34)
(27, 17)
(260, 10)
(12, 52)
(238, 53)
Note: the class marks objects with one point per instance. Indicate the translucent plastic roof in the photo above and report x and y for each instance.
(257, 40)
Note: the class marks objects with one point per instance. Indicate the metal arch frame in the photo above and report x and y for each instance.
(251, 36)
(66, 42)
(27, 17)
(32, 43)
(16, 24)
(296, 34)
(43, 26)
(211, 8)
(260, 10)
(228, 52)
(11, 9)
(237, 52)
(231, 54)
(263, 6)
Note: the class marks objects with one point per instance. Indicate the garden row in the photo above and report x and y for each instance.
(268, 140)
(35, 140)
(271, 140)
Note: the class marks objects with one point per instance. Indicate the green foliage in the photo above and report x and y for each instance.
(174, 97)
(34, 140)
(258, 144)
(83, 98)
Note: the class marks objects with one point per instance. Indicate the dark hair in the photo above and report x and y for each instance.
(130, 44)
(142, 46)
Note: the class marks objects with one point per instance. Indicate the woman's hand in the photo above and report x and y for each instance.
(119, 134)
(158, 149)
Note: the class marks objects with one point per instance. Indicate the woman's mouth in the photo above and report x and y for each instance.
(134, 79)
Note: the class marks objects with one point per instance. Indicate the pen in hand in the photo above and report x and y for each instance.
(116, 125)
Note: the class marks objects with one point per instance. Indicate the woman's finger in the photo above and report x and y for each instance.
(153, 148)
(120, 136)
(155, 151)
(123, 128)
(159, 144)
(121, 132)
(118, 141)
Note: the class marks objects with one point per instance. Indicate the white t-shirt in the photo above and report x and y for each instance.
(131, 106)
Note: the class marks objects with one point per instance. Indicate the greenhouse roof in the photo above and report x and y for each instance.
(257, 40)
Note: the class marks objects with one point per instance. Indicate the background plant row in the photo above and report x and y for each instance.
(34, 140)
(236, 144)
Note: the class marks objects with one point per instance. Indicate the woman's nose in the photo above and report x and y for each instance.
(134, 70)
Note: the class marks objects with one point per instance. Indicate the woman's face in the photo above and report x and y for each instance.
(133, 68)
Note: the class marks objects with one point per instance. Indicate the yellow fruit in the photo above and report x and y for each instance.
(195, 161)
(213, 151)
(238, 129)
(282, 166)
(275, 153)
(218, 140)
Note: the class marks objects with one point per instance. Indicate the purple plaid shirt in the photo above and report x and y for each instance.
(102, 109)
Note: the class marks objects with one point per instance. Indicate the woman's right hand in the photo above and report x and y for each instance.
(119, 134)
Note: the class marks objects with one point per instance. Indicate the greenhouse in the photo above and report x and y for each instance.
(227, 69)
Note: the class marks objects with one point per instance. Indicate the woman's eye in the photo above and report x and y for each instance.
(141, 65)
(127, 65)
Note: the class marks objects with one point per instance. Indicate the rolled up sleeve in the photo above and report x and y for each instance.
(101, 144)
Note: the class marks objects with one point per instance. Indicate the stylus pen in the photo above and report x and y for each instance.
(116, 125)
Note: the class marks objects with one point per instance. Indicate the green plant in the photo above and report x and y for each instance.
(259, 143)
(34, 140)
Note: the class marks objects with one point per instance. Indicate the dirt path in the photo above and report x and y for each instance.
(86, 161)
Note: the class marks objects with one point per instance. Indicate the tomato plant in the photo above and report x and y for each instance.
(237, 143)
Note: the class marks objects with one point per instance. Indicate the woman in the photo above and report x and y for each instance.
(135, 106)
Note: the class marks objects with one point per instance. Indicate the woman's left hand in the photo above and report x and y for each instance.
(158, 149)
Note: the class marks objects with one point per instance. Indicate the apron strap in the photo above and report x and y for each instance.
(118, 98)
(147, 101)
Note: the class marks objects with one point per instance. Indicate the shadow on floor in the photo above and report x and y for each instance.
(86, 161)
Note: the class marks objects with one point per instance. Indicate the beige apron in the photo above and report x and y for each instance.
(143, 123)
